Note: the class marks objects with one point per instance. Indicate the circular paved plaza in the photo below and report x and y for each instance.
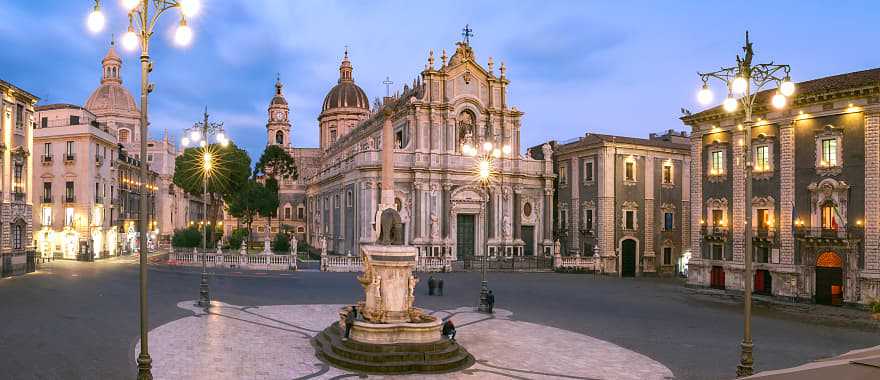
(272, 342)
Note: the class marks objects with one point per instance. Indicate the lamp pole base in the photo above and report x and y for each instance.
(204, 295)
(144, 365)
(745, 367)
(484, 298)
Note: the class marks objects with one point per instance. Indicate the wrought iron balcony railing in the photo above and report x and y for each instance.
(714, 232)
(835, 232)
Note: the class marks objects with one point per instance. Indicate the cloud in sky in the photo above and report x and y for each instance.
(622, 67)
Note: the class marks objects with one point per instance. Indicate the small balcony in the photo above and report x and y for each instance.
(69, 198)
(830, 234)
(69, 158)
(714, 232)
(764, 233)
(46, 159)
(18, 195)
(99, 199)
(99, 160)
(47, 198)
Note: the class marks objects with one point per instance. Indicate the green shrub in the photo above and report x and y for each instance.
(187, 238)
(236, 237)
(875, 306)
(281, 243)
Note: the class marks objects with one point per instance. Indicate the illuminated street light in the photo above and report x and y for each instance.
(184, 34)
(705, 96)
(143, 15)
(748, 79)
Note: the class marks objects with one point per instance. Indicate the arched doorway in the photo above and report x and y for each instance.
(628, 258)
(829, 279)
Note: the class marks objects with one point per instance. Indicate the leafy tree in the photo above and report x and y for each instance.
(237, 236)
(187, 238)
(230, 169)
(275, 163)
(281, 243)
(251, 200)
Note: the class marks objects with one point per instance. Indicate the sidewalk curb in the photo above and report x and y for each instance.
(830, 315)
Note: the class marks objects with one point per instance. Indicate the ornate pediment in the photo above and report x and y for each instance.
(763, 202)
(716, 203)
(630, 205)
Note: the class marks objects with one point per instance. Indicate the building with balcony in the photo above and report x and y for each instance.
(625, 199)
(444, 210)
(126, 205)
(16, 185)
(114, 107)
(816, 193)
(75, 179)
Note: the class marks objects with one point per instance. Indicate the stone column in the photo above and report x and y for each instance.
(737, 221)
(872, 192)
(696, 203)
(575, 209)
(548, 216)
(649, 206)
(686, 203)
(786, 193)
(605, 207)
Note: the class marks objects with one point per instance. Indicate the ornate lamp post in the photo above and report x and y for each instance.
(142, 18)
(201, 133)
(485, 170)
(746, 80)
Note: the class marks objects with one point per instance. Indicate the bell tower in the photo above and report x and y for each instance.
(278, 126)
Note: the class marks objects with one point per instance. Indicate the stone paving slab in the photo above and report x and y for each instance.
(273, 342)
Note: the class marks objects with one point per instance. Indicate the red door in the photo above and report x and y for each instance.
(717, 277)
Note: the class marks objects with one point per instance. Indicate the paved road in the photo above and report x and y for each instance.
(73, 320)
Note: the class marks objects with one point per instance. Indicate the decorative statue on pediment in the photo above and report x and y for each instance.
(435, 226)
(548, 151)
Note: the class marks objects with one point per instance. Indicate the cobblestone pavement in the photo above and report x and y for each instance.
(75, 320)
(272, 342)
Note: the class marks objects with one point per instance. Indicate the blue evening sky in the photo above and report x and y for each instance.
(622, 67)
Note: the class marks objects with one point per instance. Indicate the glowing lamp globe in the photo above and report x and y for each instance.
(496, 153)
(183, 35)
(466, 149)
(184, 141)
(778, 100)
(189, 8)
(96, 21)
(705, 96)
(195, 135)
(130, 40)
(786, 87)
(129, 5)
(739, 85)
(484, 170)
(487, 146)
(729, 104)
(506, 149)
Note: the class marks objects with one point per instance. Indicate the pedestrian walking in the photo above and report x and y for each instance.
(440, 286)
(431, 285)
(449, 329)
(490, 299)
(349, 321)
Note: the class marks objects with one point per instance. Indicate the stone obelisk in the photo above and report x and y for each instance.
(387, 197)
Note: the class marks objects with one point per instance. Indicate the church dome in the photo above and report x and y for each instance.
(111, 96)
(346, 94)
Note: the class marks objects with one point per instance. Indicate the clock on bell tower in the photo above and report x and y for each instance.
(278, 127)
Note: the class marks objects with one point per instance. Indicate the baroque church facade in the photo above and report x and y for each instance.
(445, 211)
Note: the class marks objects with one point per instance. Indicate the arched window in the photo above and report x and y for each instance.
(279, 138)
(287, 212)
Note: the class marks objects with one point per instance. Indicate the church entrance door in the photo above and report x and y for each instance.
(528, 237)
(829, 279)
(628, 258)
(465, 236)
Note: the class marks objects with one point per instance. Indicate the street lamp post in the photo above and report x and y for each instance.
(142, 18)
(746, 80)
(485, 169)
(201, 133)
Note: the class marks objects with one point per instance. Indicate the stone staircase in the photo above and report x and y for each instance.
(437, 357)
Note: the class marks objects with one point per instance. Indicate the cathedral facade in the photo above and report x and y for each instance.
(445, 211)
